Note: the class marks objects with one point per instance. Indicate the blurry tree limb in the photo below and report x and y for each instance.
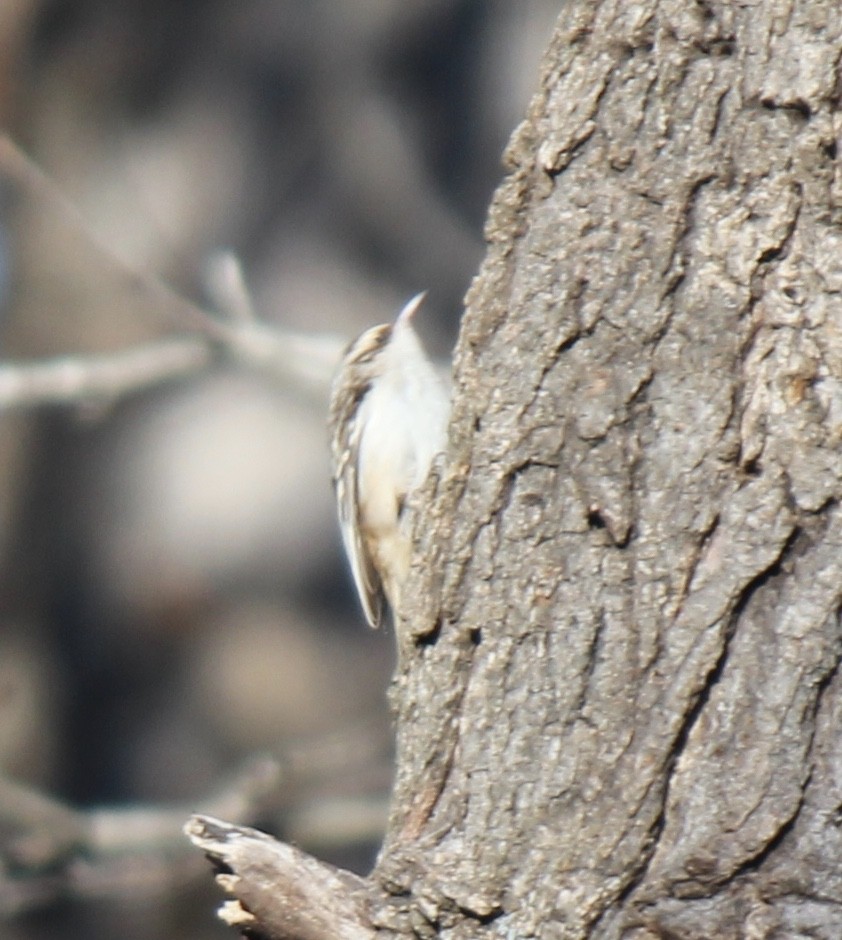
(226, 283)
(49, 848)
(302, 363)
(74, 380)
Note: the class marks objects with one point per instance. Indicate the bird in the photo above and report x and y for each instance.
(389, 412)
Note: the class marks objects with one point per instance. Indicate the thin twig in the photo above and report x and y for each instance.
(226, 284)
(71, 380)
(299, 362)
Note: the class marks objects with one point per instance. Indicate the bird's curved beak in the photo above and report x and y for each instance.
(408, 312)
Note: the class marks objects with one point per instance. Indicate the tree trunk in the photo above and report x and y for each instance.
(622, 715)
(619, 713)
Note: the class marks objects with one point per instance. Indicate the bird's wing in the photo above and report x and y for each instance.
(346, 439)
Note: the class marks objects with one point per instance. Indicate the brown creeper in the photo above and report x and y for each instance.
(388, 419)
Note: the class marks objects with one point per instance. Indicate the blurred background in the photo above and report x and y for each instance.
(173, 597)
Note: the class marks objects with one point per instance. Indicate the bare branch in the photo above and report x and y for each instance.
(142, 828)
(226, 284)
(278, 890)
(71, 380)
(52, 848)
(300, 362)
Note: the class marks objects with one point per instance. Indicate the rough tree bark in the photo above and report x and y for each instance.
(620, 714)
